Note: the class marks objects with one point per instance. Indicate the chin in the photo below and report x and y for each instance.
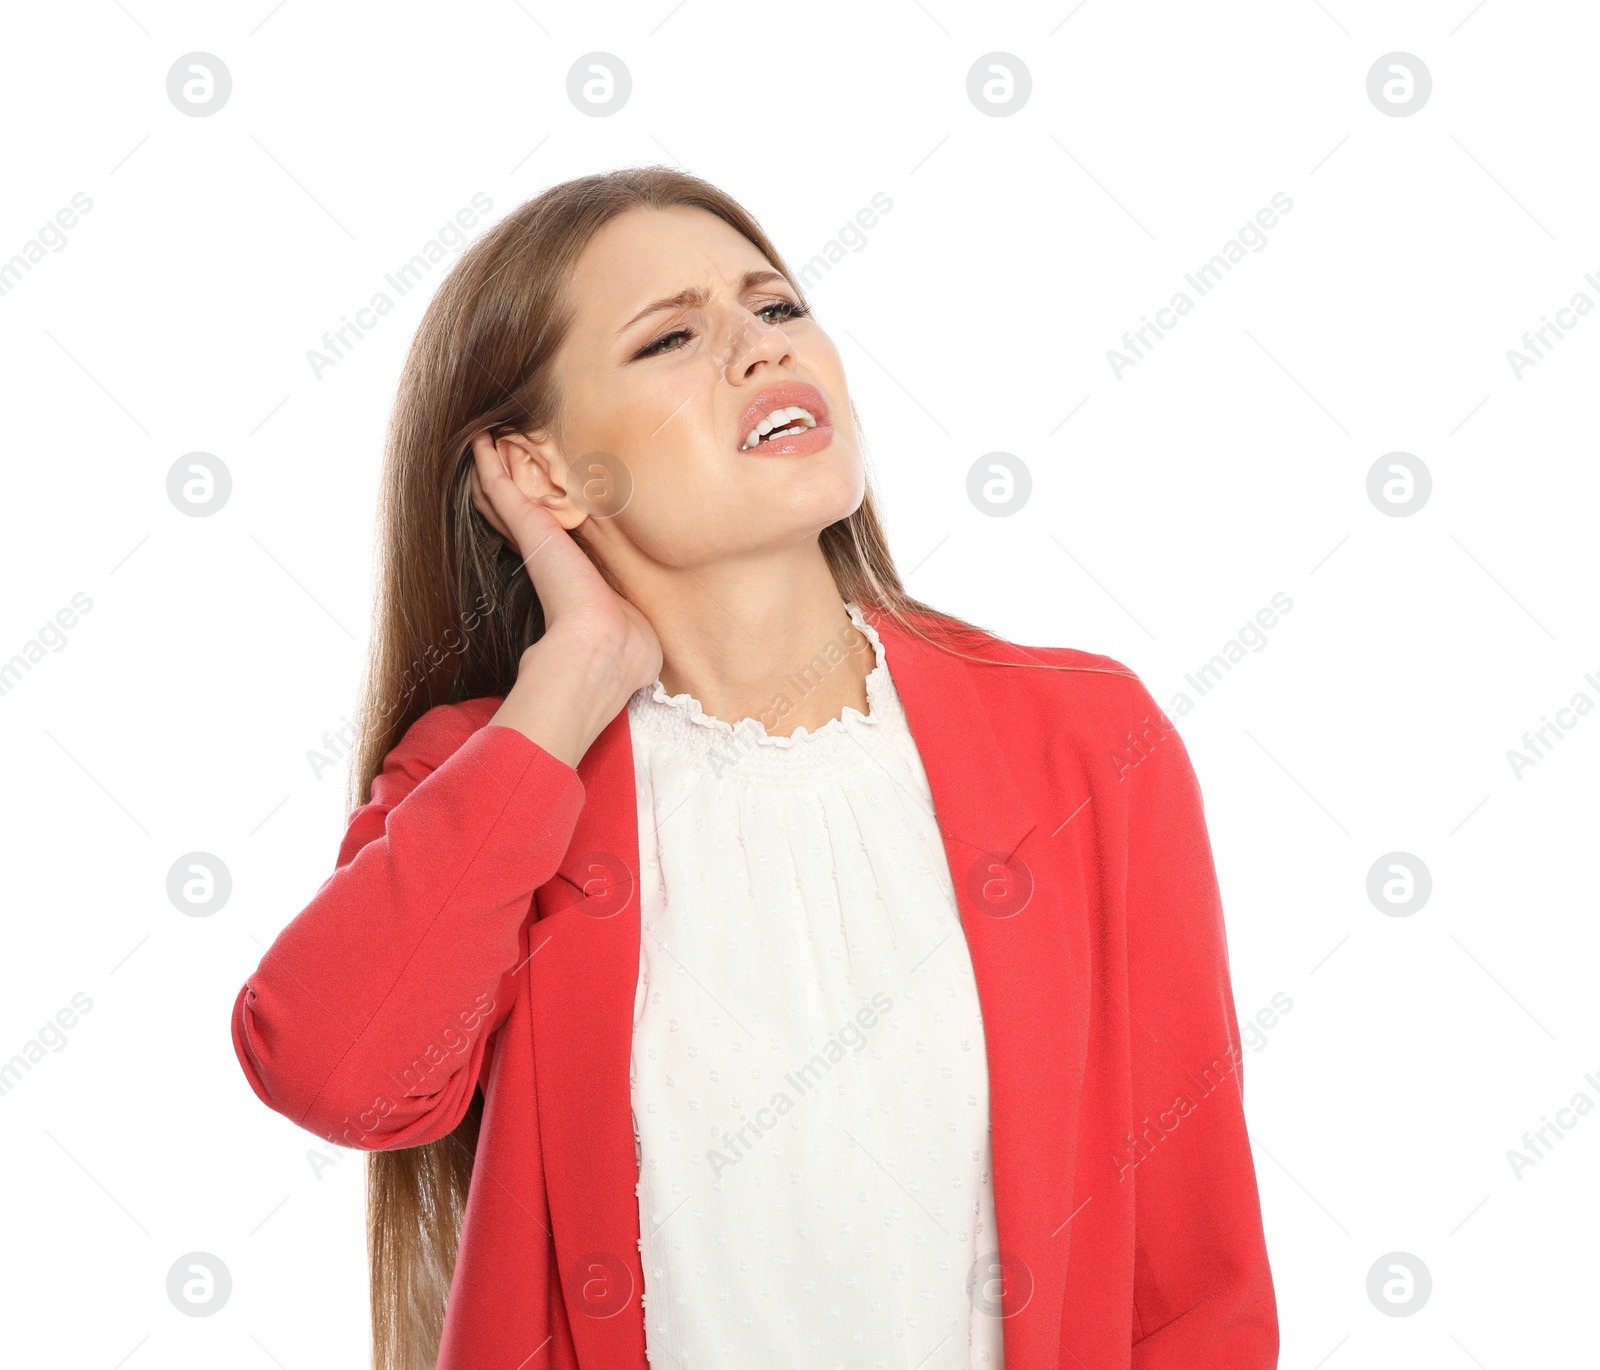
(819, 503)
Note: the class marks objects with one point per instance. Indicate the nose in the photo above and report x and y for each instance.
(746, 343)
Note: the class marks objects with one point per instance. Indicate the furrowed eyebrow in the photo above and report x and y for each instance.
(695, 296)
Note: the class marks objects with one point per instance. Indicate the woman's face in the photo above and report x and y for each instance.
(684, 339)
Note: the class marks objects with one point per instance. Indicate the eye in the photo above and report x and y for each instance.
(788, 310)
(657, 347)
(792, 310)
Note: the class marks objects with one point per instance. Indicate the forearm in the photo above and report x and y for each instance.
(401, 947)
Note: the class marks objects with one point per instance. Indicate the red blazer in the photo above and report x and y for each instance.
(481, 930)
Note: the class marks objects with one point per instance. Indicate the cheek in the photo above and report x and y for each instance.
(688, 517)
(695, 496)
(679, 500)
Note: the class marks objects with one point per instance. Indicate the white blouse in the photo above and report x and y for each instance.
(809, 1087)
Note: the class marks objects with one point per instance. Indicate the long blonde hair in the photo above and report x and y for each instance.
(454, 610)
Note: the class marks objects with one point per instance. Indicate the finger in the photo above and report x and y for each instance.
(511, 510)
(481, 503)
(498, 498)
(556, 565)
(508, 502)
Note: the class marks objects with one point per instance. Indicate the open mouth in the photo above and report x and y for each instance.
(780, 415)
(780, 423)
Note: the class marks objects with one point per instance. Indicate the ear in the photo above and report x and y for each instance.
(536, 467)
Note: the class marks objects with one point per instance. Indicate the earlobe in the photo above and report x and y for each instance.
(561, 508)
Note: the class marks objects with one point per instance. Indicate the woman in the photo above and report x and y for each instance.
(734, 961)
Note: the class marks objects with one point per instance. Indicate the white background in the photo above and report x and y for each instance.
(1226, 466)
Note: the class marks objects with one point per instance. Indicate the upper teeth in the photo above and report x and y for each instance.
(779, 418)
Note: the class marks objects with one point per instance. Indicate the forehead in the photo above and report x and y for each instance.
(645, 254)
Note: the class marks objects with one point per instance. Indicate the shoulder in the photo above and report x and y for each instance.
(432, 737)
(425, 744)
(1076, 689)
(1081, 721)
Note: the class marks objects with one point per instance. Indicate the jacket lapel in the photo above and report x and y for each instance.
(584, 952)
(1019, 885)
(1021, 897)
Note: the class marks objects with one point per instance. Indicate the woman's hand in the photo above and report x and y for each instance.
(597, 648)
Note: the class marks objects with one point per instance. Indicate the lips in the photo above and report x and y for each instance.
(797, 394)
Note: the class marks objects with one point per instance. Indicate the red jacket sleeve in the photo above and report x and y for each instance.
(368, 1019)
(1202, 1292)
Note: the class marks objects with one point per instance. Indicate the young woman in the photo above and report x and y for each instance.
(733, 961)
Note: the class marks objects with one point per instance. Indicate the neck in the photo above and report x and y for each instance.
(764, 637)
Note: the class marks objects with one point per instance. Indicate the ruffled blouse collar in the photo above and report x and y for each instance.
(880, 697)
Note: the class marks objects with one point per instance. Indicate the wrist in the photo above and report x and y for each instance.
(563, 698)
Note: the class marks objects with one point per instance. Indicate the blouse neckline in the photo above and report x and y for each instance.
(751, 730)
